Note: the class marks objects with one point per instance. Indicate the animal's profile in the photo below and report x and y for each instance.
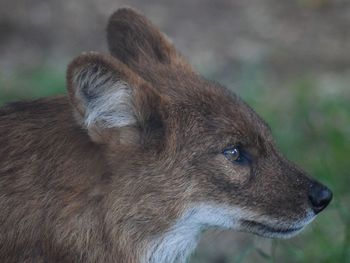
(139, 158)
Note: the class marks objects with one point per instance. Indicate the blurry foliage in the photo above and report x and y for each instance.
(31, 83)
(311, 124)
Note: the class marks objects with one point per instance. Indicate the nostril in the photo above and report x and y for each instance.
(320, 196)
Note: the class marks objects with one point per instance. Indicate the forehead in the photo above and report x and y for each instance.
(199, 106)
(211, 109)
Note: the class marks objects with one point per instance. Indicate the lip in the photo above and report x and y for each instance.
(270, 231)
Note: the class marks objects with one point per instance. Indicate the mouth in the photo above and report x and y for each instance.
(271, 231)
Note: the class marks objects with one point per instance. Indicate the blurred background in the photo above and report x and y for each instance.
(289, 59)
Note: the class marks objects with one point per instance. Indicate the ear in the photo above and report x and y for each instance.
(112, 102)
(135, 41)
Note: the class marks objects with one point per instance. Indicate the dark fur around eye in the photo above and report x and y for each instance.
(236, 154)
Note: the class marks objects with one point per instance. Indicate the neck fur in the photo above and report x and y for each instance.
(177, 244)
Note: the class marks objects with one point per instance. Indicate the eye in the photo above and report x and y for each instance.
(234, 155)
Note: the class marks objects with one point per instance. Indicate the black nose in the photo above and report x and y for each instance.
(319, 196)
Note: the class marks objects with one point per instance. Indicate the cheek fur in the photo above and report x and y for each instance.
(231, 172)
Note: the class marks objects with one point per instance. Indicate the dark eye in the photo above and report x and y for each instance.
(235, 155)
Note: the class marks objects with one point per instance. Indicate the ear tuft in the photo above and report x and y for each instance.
(112, 102)
(107, 99)
(100, 91)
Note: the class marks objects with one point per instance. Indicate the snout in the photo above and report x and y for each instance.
(319, 196)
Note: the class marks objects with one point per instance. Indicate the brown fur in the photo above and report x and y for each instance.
(76, 193)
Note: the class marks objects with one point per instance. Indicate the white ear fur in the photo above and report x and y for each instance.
(107, 100)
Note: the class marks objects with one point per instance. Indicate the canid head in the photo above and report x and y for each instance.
(184, 152)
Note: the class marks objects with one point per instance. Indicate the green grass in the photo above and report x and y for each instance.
(311, 125)
(30, 84)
